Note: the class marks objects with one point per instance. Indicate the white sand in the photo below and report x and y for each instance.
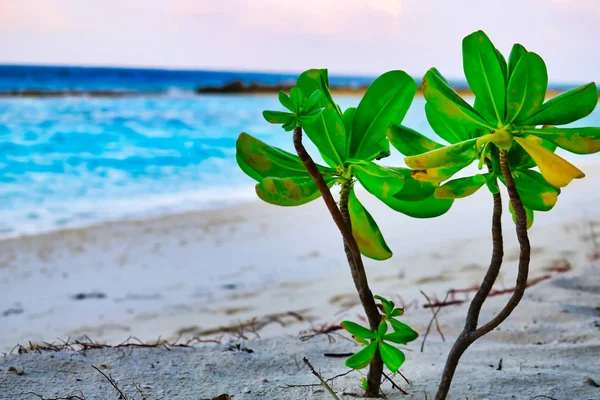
(199, 271)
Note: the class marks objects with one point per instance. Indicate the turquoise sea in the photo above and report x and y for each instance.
(76, 161)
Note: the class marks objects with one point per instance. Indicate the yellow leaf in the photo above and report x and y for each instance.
(556, 170)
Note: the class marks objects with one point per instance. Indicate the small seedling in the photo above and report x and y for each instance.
(374, 340)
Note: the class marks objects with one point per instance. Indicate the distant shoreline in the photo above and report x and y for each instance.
(233, 88)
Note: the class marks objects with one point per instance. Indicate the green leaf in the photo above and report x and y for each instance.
(357, 330)
(312, 116)
(381, 182)
(409, 142)
(385, 102)
(527, 87)
(556, 170)
(348, 118)
(403, 336)
(564, 108)
(259, 160)
(382, 329)
(445, 100)
(285, 101)
(366, 232)
(461, 187)
(391, 356)
(362, 358)
(492, 185)
(515, 55)
(448, 156)
(429, 207)
(389, 184)
(278, 117)
(535, 192)
(446, 128)
(397, 312)
(484, 73)
(312, 103)
(289, 191)
(503, 65)
(399, 326)
(575, 140)
(326, 131)
(399, 191)
(386, 305)
(297, 97)
(528, 213)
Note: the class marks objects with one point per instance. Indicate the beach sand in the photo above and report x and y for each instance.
(283, 269)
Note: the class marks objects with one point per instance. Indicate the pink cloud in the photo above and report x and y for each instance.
(41, 16)
(308, 17)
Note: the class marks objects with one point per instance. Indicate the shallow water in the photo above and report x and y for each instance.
(67, 162)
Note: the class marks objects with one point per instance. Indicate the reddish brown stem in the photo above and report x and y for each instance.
(341, 218)
(470, 332)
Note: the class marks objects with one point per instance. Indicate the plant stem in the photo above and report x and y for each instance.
(342, 220)
(359, 275)
(470, 332)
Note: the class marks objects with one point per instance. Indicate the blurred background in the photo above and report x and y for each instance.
(118, 122)
(137, 140)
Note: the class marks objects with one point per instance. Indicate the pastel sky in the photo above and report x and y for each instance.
(346, 36)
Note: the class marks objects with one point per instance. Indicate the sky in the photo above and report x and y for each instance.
(360, 37)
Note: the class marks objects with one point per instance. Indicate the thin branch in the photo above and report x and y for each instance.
(394, 384)
(122, 396)
(325, 385)
(433, 318)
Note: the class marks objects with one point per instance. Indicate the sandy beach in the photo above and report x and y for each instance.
(207, 274)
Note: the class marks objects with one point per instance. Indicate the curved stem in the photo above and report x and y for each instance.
(471, 333)
(524, 255)
(465, 339)
(341, 217)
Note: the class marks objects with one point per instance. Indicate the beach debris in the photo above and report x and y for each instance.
(337, 355)
(394, 384)
(223, 396)
(16, 370)
(12, 311)
(239, 347)
(497, 292)
(323, 382)
(247, 390)
(113, 383)
(560, 266)
(91, 295)
(591, 382)
(78, 396)
(326, 329)
(433, 318)
(499, 365)
(229, 286)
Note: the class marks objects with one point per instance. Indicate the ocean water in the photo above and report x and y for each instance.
(70, 162)
(56, 78)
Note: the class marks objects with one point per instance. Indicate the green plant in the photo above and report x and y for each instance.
(348, 142)
(509, 129)
(376, 339)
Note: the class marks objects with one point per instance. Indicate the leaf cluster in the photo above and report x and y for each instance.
(372, 340)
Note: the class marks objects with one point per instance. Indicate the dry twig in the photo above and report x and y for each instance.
(325, 385)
